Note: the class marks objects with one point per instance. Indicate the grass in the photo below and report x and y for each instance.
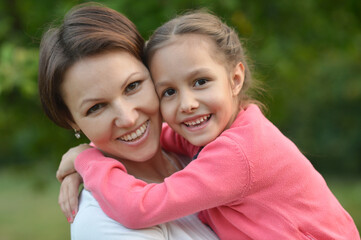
(29, 209)
(348, 192)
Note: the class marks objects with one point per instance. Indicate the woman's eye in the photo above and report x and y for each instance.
(168, 92)
(95, 108)
(200, 82)
(132, 86)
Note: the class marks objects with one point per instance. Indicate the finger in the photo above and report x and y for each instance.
(73, 199)
(64, 202)
(59, 176)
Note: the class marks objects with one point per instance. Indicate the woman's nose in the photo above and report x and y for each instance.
(188, 103)
(125, 115)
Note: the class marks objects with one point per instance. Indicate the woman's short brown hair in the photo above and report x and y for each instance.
(87, 29)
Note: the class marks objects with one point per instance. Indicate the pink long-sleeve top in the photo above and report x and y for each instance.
(250, 183)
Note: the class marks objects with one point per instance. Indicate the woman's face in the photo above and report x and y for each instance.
(113, 102)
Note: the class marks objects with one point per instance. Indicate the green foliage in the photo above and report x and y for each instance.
(307, 53)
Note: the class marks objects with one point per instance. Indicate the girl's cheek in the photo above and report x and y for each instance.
(165, 116)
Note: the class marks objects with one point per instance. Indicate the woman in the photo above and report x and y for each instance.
(92, 79)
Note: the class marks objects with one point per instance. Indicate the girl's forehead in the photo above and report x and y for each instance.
(189, 41)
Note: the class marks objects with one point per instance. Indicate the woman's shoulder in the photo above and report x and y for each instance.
(92, 223)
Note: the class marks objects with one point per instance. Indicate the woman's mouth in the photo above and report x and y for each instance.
(136, 134)
(197, 122)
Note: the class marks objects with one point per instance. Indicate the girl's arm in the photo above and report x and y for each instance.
(70, 182)
(92, 223)
(66, 166)
(173, 142)
(219, 176)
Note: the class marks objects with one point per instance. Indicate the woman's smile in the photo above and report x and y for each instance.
(137, 136)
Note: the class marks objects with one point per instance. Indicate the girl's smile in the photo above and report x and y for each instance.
(197, 123)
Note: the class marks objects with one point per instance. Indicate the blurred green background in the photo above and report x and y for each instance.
(307, 53)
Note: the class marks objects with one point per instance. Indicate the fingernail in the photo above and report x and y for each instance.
(73, 212)
(69, 219)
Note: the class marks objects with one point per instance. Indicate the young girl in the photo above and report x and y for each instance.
(248, 180)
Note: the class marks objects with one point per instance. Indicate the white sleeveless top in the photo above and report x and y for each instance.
(92, 223)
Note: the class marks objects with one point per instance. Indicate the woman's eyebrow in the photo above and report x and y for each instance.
(85, 101)
(100, 99)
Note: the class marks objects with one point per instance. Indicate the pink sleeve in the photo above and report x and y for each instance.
(173, 142)
(203, 184)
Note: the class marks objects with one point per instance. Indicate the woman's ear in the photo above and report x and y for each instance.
(237, 78)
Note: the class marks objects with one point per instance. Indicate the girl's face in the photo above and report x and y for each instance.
(113, 102)
(198, 96)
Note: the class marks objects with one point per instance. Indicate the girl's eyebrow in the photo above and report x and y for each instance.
(190, 74)
(161, 84)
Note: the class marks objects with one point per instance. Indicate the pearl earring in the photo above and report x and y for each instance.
(77, 133)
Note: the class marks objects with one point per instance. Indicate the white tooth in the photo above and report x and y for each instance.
(135, 134)
(198, 122)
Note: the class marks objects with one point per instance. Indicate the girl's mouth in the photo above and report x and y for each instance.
(136, 134)
(197, 122)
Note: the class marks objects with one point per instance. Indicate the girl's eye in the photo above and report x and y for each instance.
(168, 92)
(132, 86)
(95, 108)
(200, 82)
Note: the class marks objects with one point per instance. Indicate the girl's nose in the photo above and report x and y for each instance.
(125, 115)
(188, 103)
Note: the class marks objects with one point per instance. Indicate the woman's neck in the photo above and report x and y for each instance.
(156, 169)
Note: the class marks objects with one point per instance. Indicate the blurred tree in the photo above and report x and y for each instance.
(308, 54)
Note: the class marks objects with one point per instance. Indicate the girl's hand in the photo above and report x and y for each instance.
(66, 165)
(68, 195)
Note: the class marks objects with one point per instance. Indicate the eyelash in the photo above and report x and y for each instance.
(131, 87)
(95, 108)
(165, 92)
(136, 83)
(194, 85)
(200, 79)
